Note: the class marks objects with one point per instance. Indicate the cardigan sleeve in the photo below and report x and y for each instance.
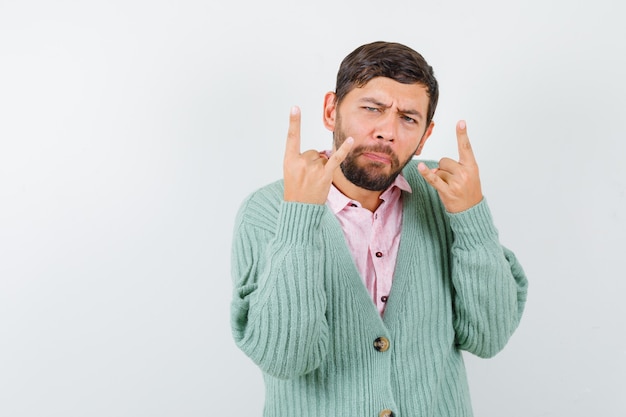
(278, 306)
(490, 284)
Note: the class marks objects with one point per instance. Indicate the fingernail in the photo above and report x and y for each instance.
(294, 110)
(350, 139)
(462, 124)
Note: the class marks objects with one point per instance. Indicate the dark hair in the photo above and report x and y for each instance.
(391, 60)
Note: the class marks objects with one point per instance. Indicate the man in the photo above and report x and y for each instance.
(360, 277)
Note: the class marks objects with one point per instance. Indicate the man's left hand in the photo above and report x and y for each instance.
(457, 183)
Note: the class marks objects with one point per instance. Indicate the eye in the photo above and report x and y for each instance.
(409, 119)
(371, 109)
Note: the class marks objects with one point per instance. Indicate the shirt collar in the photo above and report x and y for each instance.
(337, 201)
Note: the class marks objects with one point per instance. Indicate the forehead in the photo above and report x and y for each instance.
(393, 93)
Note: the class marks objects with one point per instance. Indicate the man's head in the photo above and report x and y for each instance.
(385, 99)
(390, 60)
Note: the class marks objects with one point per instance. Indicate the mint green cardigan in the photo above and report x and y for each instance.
(301, 312)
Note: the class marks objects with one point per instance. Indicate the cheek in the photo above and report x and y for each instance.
(409, 142)
(360, 130)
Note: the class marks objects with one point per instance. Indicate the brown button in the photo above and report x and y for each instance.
(384, 298)
(379, 254)
(386, 413)
(381, 344)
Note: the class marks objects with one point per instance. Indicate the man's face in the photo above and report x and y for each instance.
(387, 120)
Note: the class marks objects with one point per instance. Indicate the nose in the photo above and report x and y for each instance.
(386, 127)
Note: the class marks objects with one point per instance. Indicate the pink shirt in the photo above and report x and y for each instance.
(373, 238)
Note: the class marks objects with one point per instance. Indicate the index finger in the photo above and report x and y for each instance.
(466, 154)
(293, 134)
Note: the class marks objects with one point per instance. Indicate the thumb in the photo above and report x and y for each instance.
(339, 155)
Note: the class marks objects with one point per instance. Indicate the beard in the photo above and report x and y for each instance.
(370, 175)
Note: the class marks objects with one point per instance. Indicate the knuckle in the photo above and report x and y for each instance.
(431, 178)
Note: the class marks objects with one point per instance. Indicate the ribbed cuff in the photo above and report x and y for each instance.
(473, 226)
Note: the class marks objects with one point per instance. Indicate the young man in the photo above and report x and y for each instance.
(360, 277)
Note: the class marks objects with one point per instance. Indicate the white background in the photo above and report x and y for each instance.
(131, 130)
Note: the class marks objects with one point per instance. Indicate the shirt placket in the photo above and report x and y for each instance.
(379, 252)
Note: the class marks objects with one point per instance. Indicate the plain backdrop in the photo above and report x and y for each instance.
(130, 132)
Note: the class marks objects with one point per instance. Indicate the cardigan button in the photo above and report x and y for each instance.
(386, 413)
(381, 344)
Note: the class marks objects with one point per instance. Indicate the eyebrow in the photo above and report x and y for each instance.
(411, 112)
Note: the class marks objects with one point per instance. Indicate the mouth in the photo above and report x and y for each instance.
(378, 157)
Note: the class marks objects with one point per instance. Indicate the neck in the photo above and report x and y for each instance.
(368, 199)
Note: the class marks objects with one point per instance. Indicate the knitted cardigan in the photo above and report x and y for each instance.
(301, 312)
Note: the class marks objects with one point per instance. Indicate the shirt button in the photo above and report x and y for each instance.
(384, 298)
(381, 344)
(379, 254)
(386, 413)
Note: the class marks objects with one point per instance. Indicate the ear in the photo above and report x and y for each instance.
(330, 110)
(425, 137)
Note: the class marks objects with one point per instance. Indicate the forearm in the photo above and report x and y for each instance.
(490, 285)
(278, 308)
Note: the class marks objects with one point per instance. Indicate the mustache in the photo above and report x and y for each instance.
(373, 148)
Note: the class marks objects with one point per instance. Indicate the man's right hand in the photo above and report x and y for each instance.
(308, 175)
